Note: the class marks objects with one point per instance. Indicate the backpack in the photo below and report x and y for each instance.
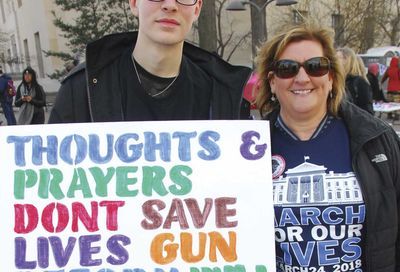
(10, 89)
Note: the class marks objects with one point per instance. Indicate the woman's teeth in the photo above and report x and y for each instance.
(301, 91)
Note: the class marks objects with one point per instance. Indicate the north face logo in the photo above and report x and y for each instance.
(379, 158)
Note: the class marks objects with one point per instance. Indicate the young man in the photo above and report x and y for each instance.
(5, 100)
(152, 74)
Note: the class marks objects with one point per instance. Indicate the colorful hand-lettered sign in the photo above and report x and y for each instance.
(137, 196)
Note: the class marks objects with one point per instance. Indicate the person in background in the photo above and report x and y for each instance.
(357, 86)
(372, 76)
(152, 74)
(392, 74)
(6, 100)
(31, 99)
(336, 168)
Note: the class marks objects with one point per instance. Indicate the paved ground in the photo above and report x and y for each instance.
(50, 98)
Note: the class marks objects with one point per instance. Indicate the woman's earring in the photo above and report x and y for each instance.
(330, 94)
(273, 97)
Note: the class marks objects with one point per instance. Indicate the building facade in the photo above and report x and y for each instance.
(28, 30)
(310, 183)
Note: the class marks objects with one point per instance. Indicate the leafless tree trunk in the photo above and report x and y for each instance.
(207, 26)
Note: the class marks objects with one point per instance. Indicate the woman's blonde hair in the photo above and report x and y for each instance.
(352, 64)
(274, 47)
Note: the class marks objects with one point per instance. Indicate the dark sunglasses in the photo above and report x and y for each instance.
(314, 67)
(182, 2)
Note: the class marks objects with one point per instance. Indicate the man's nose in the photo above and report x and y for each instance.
(169, 5)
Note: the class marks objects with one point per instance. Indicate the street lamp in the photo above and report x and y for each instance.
(258, 18)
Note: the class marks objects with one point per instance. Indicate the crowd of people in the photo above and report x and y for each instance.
(318, 100)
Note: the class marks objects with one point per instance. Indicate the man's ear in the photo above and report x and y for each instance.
(134, 8)
(197, 11)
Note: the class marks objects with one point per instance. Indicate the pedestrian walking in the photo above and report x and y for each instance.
(372, 75)
(6, 99)
(392, 74)
(152, 74)
(31, 99)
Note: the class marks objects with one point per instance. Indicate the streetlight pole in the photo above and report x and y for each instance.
(259, 32)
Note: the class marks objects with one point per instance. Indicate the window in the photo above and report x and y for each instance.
(293, 188)
(14, 52)
(13, 45)
(318, 187)
(330, 195)
(39, 54)
(339, 194)
(3, 60)
(3, 15)
(26, 52)
(9, 59)
(299, 16)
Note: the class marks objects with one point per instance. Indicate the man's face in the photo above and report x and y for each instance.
(166, 22)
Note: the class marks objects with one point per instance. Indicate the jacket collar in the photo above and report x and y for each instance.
(361, 125)
(102, 52)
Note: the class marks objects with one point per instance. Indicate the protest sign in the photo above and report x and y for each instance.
(137, 196)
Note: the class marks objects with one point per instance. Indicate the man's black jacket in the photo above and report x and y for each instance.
(88, 93)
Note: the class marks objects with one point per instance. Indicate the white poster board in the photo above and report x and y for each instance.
(137, 196)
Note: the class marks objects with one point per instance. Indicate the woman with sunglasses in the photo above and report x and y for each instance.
(336, 168)
(152, 74)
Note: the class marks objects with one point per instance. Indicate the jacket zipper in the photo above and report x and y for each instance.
(366, 200)
(88, 95)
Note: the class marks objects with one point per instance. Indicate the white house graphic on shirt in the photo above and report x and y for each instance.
(309, 183)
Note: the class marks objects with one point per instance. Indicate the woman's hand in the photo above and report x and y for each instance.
(27, 98)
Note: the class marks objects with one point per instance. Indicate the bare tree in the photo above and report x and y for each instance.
(228, 40)
(353, 21)
(388, 20)
(220, 36)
